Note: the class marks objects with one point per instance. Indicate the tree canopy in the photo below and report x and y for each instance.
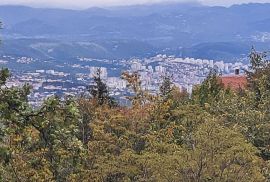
(216, 134)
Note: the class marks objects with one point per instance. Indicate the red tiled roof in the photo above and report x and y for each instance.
(234, 82)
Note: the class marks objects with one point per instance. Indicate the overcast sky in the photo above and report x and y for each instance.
(90, 3)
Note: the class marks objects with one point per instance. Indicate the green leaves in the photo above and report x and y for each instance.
(217, 135)
(209, 90)
(100, 92)
(4, 75)
(166, 87)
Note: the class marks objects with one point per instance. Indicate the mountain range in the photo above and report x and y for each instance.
(180, 29)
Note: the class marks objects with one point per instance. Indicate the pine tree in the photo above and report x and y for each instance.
(166, 87)
(99, 91)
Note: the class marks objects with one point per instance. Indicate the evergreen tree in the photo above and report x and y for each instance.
(99, 91)
(209, 90)
(166, 87)
(259, 75)
(259, 86)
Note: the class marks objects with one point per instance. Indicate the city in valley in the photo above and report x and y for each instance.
(73, 77)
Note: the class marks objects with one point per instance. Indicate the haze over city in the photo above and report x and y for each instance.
(82, 4)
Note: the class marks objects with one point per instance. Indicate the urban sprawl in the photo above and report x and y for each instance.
(184, 73)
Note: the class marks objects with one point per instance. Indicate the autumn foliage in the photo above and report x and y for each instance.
(216, 134)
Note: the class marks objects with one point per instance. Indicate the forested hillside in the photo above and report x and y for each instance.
(217, 134)
(180, 29)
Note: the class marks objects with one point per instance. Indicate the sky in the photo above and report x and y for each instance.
(83, 4)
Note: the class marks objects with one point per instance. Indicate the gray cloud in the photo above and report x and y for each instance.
(90, 3)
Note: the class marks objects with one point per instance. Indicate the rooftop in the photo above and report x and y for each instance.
(234, 82)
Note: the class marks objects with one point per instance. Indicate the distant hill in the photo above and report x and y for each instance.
(217, 50)
(145, 30)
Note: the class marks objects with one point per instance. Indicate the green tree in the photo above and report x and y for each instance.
(259, 76)
(100, 92)
(209, 90)
(166, 87)
(220, 154)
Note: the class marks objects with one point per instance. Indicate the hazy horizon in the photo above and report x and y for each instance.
(83, 4)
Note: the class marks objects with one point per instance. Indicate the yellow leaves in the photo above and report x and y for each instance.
(159, 140)
(16, 138)
(207, 106)
(223, 151)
